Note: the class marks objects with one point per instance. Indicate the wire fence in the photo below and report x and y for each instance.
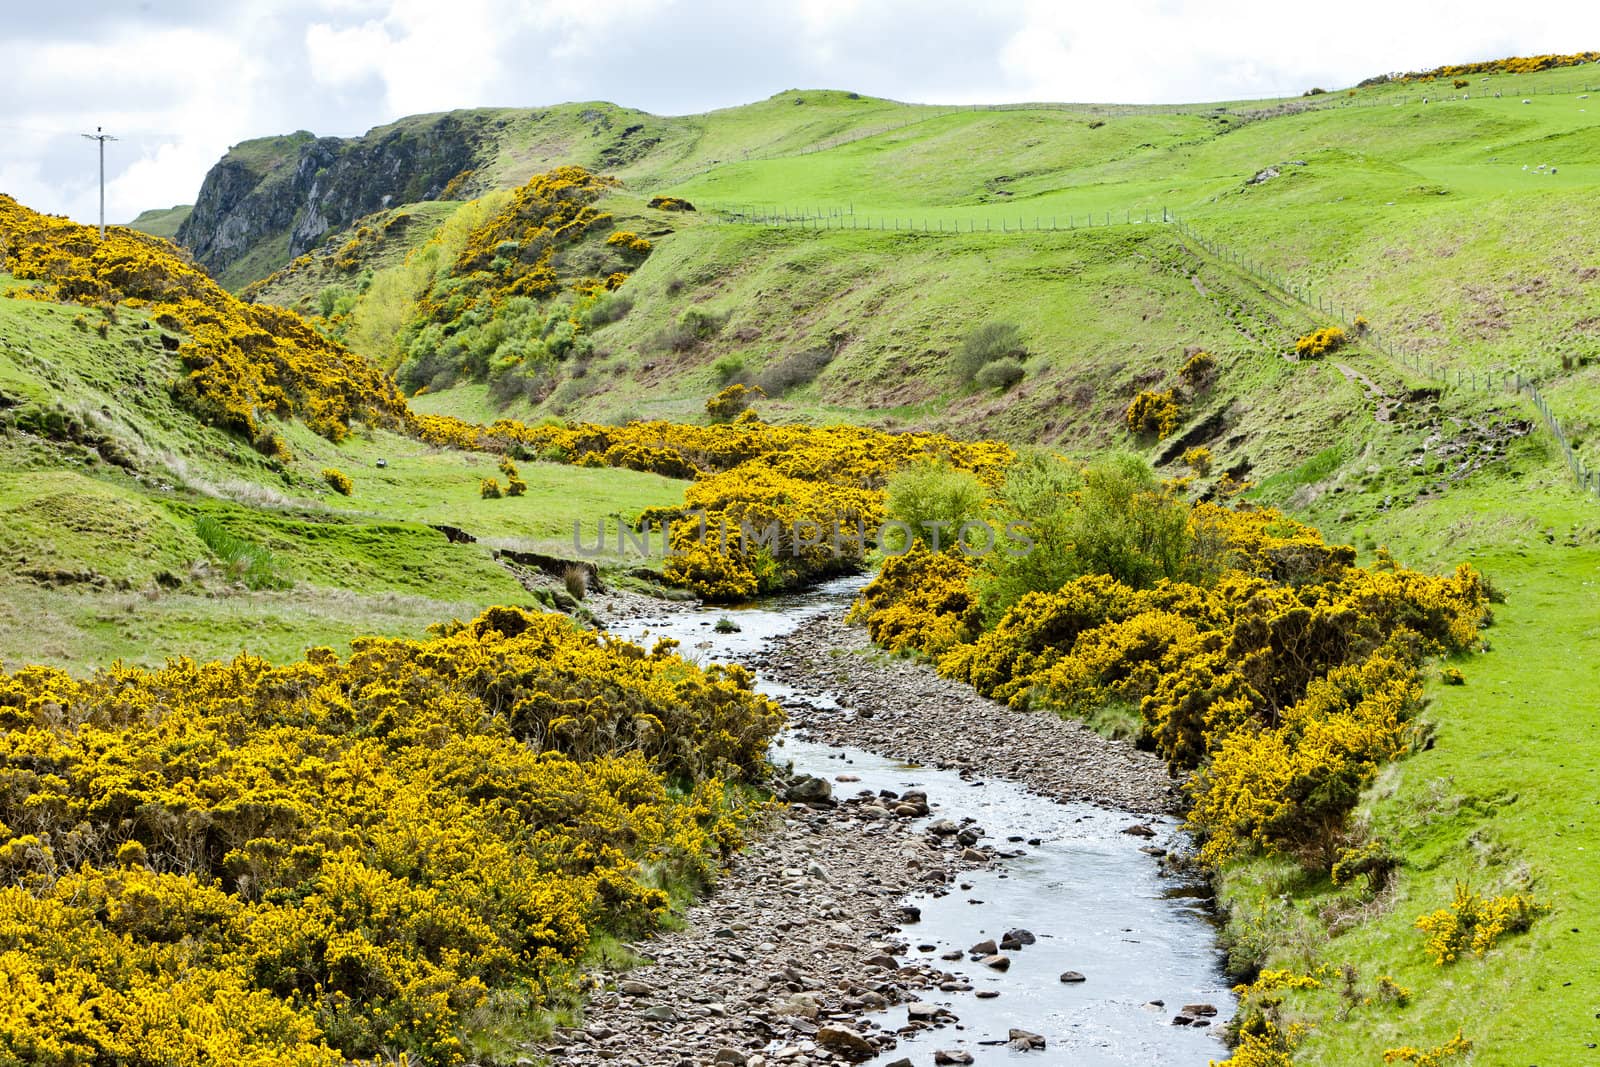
(845, 218)
(1248, 109)
(1502, 379)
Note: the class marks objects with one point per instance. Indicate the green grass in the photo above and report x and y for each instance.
(200, 547)
(162, 222)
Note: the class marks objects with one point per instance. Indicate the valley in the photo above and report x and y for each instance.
(323, 730)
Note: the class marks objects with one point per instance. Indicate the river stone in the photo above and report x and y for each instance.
(1198, 1009)
(731, 1056)
(847, 1042)
(1077, 976)
(952, 1056)
(1139, 830)
(922, 1012)
(1021, 937)
(998, 962)
(1023, 1039)
(808, 789)
(984, 948)
(661, 1013)
(972, 855)
(634, 989)
(943, 828)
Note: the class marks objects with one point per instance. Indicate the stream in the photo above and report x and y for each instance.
(1096, 903)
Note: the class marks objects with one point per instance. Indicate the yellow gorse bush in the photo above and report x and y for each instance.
(318, 861)
(1433, 1057)
(1319, 343)
(1509, 65)
(1283, 683)
(512, 254)
(747, 474)
(1475, 923)
(242, 364)
(1156, 413)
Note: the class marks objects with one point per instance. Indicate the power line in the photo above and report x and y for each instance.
(101, 136)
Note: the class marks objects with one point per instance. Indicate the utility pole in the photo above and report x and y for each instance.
(100, 135)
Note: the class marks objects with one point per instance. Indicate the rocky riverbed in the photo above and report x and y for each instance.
(793, 953)
(810, 951)
(903, 708)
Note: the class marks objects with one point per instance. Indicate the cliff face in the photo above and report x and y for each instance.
(268, 201)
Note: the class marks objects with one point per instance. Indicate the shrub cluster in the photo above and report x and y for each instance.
(335, 859)
(1509, 65)
(1259, 657)
(747, 473)
(793, 371)
(987, 344)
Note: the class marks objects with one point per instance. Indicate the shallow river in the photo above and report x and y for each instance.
(1096, 903)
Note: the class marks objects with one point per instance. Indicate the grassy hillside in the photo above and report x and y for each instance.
(161, 222)
(108, 481)
(1456, 219)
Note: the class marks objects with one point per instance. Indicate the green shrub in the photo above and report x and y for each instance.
(985, 345)
(1002, 374)
(1113, 518)
(613, 307)
(730, 369)
(934, 500)
(694, 326)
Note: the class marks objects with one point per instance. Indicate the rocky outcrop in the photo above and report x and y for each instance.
(292, 190)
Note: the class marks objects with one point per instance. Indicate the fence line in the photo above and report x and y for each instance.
(845, 218)
(1588, 478)
(1246, 109)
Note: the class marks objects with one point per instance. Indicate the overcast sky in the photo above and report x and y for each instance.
(181, 80)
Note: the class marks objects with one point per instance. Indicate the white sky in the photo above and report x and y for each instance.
(181, 80)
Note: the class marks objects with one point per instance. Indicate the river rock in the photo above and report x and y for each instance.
(922, 1012)
(972, 855)
(847, 1042)
(943, 828)
(809, 789)
(984, 948)
(1021, 936)
(731, 1056)
(952, 1056)
(997, 961)
(1198, 1009)
(1139, 830)
(1076, 976)
(1022, 1040)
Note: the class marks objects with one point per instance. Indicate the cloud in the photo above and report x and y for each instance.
(181, 80)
